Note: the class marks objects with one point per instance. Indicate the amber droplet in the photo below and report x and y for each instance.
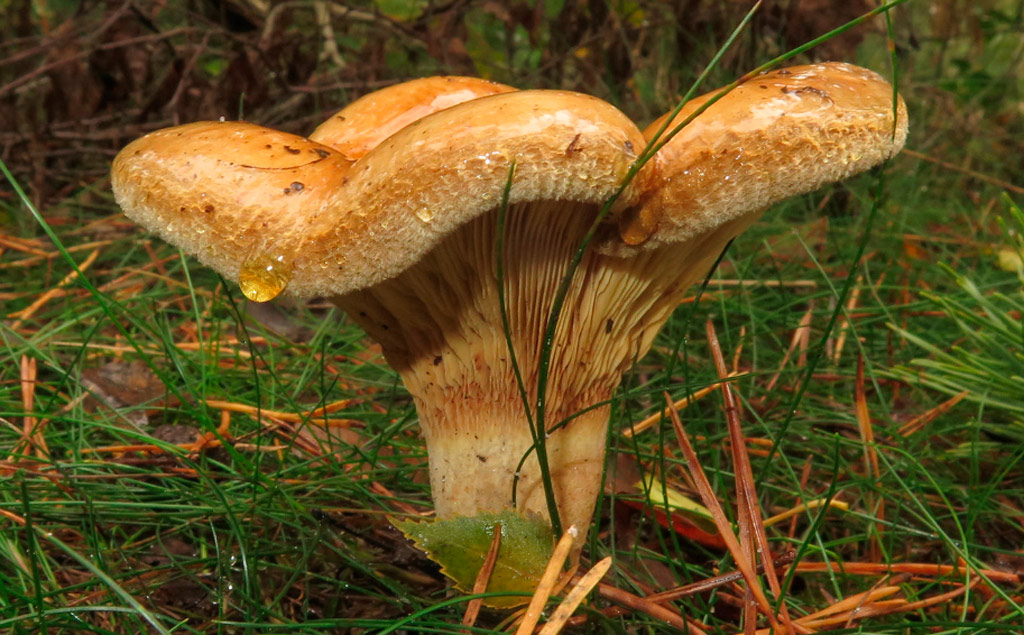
(636, 226)
(263, 277)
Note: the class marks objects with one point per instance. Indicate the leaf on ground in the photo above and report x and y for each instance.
(124, 386)
(460, 545)
(681, 504)
(1010, 260)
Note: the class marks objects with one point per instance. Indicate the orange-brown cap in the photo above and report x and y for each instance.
(362, 125)
(280, 210)
(777, 135)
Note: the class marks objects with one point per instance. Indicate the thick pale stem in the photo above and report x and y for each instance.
(470, 472)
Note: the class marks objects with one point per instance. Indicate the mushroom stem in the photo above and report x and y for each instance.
(439, 326)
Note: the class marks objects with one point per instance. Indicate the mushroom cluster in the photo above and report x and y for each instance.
(391, 210)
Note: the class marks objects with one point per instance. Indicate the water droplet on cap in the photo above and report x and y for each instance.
(263, 277)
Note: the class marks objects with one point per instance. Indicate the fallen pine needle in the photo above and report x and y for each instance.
(707, 494)
(803, 507)
(750, 516)
(483, 578)
(32, 428)
(1006, 185)
(910, 568)
(576, 596)
(11, 516)
(547, 581)
(844, 610)
(920, 421)
(646, 606)
(799, 339)
(678, 405)
(292, 417)
(725, 282)
(31, 309)
(844, 326)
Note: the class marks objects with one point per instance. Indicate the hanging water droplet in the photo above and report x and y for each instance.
(263, 277)
(425, 214)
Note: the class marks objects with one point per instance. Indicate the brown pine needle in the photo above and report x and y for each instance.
(800, 336)
(652, 604)
(805, 475)
(23, 245)
(32, 428)
(11, 516)
(678, 405)
(575, 597)
(843, 611)
(1006, 185)
(920, 421)
(803, 507)
(314, 416)
(844, 324)
(788, 284)
(750, 509)
(31, 309)
(482, 579)
(910, 568)
(646, 606)
(721, 521)
(547, 581)
(709, 584)
(867, 437)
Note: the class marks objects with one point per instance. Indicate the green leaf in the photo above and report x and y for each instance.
(460, 546)
(401, 10)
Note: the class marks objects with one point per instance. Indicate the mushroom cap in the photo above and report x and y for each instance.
(776, 135)
(239, 196)
(362, 125)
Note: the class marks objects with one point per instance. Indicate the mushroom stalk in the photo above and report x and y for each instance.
(439, 326)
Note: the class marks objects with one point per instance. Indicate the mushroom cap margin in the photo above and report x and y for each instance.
(363, 124)
(224, 191)
(779, 134)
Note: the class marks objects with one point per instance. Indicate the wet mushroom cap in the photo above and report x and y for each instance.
(233, 193)
(366, 122)
(777, 135)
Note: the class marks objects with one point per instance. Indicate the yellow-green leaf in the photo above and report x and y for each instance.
(1009, 260)
(680, 504)
(460, 545)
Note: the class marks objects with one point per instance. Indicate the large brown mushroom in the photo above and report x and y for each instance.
(397, 222)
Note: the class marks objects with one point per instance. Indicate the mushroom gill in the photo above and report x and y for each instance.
(439, 325)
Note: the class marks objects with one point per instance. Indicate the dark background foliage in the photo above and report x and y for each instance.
(80, 79)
